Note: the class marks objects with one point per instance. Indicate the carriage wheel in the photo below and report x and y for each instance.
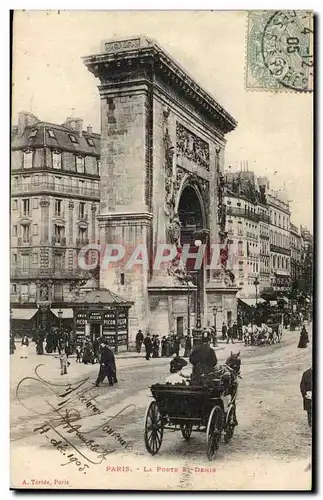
(213, 432)
(230, 425)
(186, 430)
(153, 429)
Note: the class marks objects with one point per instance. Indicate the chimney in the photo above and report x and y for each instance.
(89, 130)
(74, 124)
(25, 119)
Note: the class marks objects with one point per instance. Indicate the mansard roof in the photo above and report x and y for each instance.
(38, 135)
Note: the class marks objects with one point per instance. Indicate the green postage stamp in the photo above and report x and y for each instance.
(280, 50)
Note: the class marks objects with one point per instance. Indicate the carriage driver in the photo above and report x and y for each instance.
(203, 359)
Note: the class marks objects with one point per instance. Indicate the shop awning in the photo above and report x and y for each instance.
(67, 313)
(252, 302)
(273, 303)
(23, 313)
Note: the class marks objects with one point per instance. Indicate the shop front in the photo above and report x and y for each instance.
(103, 315)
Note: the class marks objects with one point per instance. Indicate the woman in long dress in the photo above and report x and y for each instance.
(24, 347)
(303, 339)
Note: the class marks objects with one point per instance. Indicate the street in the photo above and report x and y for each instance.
(271, 447)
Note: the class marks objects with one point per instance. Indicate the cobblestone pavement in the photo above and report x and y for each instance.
(271, 447)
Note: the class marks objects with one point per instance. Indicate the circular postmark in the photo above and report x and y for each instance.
(286, 49)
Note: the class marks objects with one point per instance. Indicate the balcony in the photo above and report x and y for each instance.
(51, 187)
(82, 242)
(47, 273)
(264, 218)
(240, 212)
(277, 249)
(22, 241)
(59, 241)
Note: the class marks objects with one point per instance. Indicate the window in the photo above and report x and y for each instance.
(58, 291)
(80, 164)
(58, 208)
(28, 159)
(240, 248)
(81, 186)
(81, 210)
(82, 234)
(35, 203)
(26, 206)
(51, 133)
(14, 204)
(238, 204)
(24, 289)
(90, 141)
(33, 133)
(14, 230)
(122, 279)
(25, 264)
(35, 258)
(58, 262)
(26, 233)
(35, 179)
(35, 229)
(14, 288)
(73, 138)
(57, 160)
(228, 202)
(275, 218)
(14, 259)
(59, 233)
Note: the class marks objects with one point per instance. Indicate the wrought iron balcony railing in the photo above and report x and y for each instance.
(56, 188)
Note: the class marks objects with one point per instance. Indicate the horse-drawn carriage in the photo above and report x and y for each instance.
(188, 408)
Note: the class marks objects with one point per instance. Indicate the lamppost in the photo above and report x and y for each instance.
(60, 315)
(215, 310)
(197, 244)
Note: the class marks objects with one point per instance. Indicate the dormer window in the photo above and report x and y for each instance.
(51, 133)
(90, 141)
(33, 133)
(73, 138)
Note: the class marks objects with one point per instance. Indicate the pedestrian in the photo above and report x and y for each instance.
(139, 341)
(188, 346)
(163, 346)
(230, 335)
(148, 346)
(224, 331)
(235, 331)
(107, 366)
(63, 359)
(156, 344)
(177, 344)
(24, 347)
(39, 346)
(303, 339)
(306, 391)
(12, 343)
(78, 353)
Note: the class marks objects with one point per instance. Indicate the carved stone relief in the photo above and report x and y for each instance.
(192, 147)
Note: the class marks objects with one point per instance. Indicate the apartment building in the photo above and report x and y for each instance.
(54, 201)
(248, 231)
(296, 254)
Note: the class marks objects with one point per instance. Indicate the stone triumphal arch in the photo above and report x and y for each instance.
(162, 160)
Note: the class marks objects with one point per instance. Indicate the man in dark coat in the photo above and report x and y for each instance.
(148, 346)
(188, 346)
(230, 335)
(224, 331)
(177, 344)
(107, 366)
(203, 359)
(306, 391)
(139, 340)
(163, 346)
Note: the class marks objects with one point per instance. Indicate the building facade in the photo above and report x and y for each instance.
(248, 230)
(162, 152)
(295, 255)
(54, 202)
(279, 234)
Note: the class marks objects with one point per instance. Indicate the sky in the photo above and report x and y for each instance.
(274, 132)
